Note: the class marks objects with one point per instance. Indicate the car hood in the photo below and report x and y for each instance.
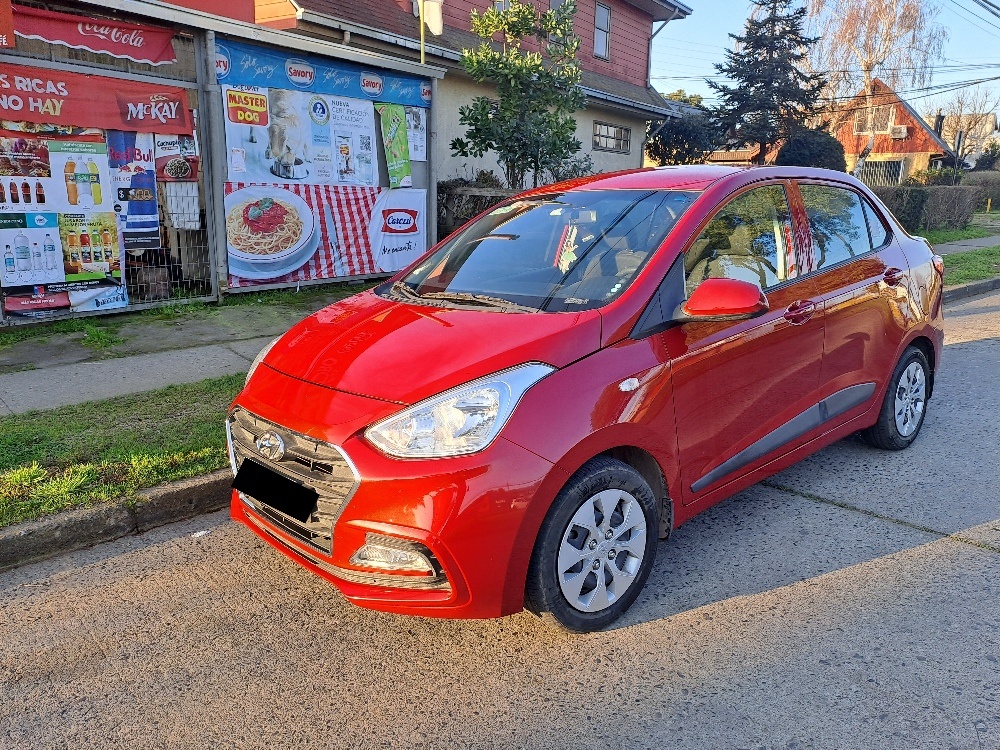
(401, 352)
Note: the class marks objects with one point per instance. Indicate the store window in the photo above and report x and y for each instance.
(609, 137)
(602, 32)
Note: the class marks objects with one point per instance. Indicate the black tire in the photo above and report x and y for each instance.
(884, 433)
(543, 591)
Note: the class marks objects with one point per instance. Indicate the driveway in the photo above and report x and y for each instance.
(852, 601)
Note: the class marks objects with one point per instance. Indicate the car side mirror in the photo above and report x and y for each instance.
(723, 299)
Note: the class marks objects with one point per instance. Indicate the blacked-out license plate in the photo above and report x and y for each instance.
(272, 489)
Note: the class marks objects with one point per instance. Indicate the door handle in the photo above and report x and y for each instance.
(893, 276)
(799, 312)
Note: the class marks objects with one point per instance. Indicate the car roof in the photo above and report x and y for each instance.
(688, 177)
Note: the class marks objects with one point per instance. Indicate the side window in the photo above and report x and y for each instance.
(876, 227)
(748, 239)
(837, 223)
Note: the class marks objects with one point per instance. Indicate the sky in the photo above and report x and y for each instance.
(683, 53)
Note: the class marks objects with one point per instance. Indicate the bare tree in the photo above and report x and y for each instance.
(896, 41)
(969, 120)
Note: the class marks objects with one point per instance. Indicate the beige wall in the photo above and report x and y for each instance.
(454, 91)
(911, 162)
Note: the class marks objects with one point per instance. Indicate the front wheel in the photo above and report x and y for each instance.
(904, 406)
(595, 548)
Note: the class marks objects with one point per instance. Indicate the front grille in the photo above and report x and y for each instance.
(313, 463)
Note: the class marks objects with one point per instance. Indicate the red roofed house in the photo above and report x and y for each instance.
(615, 54)
(904, 143)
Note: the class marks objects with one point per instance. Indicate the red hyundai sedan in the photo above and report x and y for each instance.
(518, 418)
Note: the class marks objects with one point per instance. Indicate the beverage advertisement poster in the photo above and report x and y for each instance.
(133, 180)
(396, 229)
(58, 230)
(397, 150)
(296, 137)
(416, 133)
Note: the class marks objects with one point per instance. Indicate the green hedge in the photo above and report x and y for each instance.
(932, 207)
(989, 181)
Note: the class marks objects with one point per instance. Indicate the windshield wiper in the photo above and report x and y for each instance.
(479, 299)
(404, 290)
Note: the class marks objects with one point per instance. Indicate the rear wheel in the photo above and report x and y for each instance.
(904, 406)
(595, 548)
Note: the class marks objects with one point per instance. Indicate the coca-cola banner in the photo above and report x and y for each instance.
(53, 97)
(144, 44)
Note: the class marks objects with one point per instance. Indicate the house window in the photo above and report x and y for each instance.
(602, 32)
(608, 137)
(883, 119)
(881, 173)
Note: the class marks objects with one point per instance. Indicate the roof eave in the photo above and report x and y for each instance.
(196, 19)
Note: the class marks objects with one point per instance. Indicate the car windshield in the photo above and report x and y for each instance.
(569, 251)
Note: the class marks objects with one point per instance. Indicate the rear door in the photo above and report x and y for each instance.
(739, 384)
(862, 277)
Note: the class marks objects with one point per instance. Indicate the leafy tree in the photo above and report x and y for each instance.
(529, 126)
(989, 157)
(687, 139)
(772, 96)
(680, 95)
(812, 148)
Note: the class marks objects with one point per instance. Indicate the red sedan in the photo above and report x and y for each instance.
(518, 418)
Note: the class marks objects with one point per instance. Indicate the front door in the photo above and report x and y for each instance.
(738, 386)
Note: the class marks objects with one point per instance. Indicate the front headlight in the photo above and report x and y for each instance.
(460, 421)
(258, 359)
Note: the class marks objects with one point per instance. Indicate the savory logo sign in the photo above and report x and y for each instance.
(371, 84)
(300, 73)
(223, 63)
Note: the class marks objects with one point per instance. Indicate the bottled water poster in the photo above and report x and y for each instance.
(58, 231)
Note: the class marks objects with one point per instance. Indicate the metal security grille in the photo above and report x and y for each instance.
(180, 269)
(882, 173)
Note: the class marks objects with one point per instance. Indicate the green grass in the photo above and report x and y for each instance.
(938, 236)
(101, 450)
(102, 333)
(971, 265)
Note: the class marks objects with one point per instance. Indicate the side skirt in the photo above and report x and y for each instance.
(815, 416)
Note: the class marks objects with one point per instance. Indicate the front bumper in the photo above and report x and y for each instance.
(478, 515)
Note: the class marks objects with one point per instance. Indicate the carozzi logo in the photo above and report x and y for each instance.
(223, 64)
(371, 84)
(399, 220)
(300, 73)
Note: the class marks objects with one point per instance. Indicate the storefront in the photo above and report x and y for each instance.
(150, 163)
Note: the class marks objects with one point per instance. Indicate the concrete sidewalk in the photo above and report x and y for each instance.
(960, 246)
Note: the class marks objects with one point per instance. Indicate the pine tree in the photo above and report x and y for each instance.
(772, 96)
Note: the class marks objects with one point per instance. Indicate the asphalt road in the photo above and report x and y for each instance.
(853, 601)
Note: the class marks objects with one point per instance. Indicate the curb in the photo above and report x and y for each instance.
(972, 289)
(32, 541)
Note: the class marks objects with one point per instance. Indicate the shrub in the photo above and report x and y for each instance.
(990, 184)
(947, 176)
(932, 207)
(812, 148)
(989, 157)
(570, 169)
